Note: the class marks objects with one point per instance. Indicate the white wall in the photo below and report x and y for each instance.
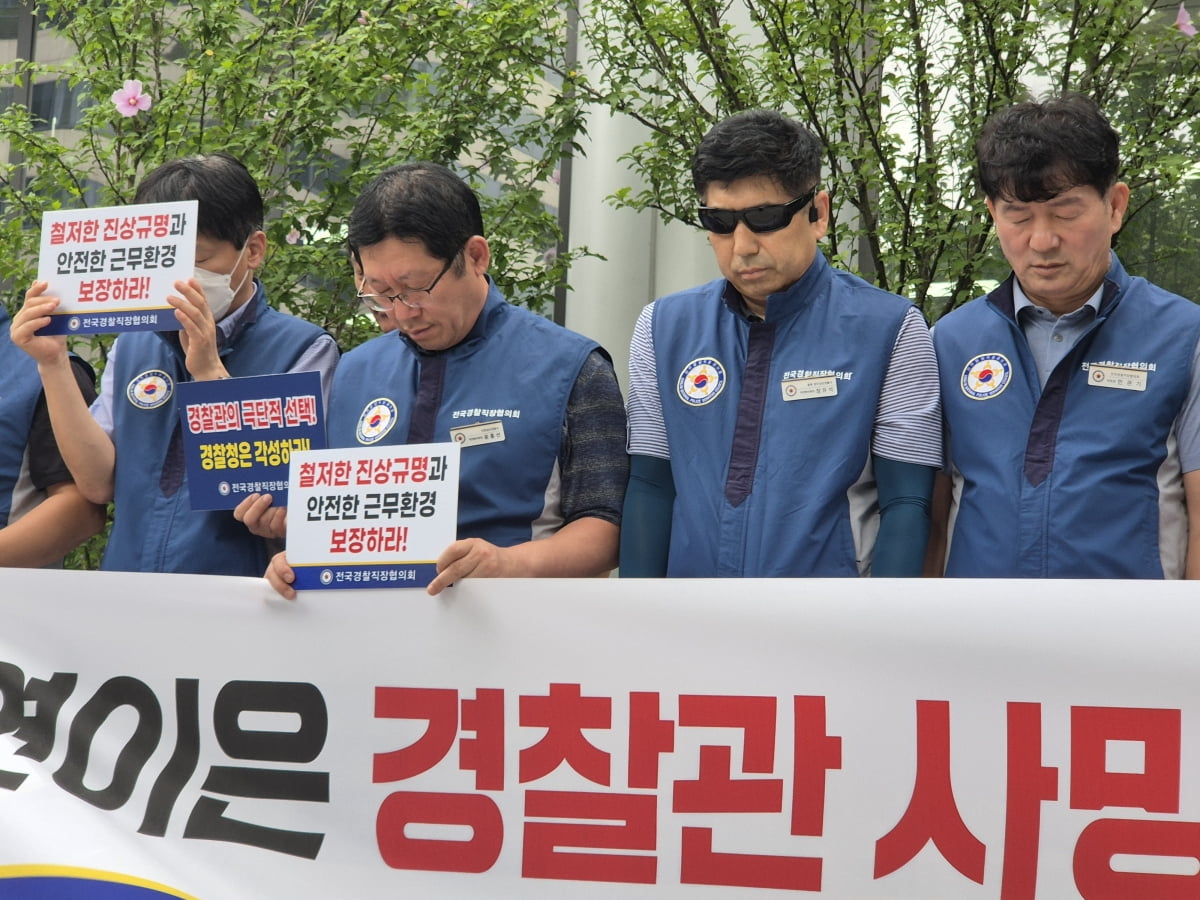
(644, 258)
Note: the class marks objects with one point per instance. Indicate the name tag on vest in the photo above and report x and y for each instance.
(1119, 377)
(809, 388)
(478, 433)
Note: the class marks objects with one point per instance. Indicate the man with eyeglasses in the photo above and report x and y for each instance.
(784, 420)
(535, 408)
(381, 312)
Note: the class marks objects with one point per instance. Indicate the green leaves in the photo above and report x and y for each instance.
(897, 91)
(315, 98)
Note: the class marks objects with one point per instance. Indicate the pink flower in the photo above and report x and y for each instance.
(130, 100)
(362, 17)
(293, 236)
(1184, 22)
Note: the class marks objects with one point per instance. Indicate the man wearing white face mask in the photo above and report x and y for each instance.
(131, 453)
(218, 289)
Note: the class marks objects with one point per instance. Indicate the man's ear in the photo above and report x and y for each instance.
(256, 249)
(1118, 203)
(819, 213)
(477, 255)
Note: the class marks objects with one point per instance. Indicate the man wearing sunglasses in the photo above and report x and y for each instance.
(535, 408)
(784, 420)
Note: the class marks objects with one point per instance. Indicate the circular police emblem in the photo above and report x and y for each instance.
(376, 420)
(224, 489)
(73, 323)
(701, 381)
(326, 577)
(150, 389)
(986, 376)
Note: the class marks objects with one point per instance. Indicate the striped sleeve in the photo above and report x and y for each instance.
(647, 431)
(908, 420)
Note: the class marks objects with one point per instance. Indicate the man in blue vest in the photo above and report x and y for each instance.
(43, 515)
(542, 495)
(783, 419)
(130, 450)
(1070, 391)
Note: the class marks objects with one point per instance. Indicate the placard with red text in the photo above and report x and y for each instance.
(594, 738)
(371, 517)
(239, 434)
(113, 267)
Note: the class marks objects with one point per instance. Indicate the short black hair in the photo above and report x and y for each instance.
(758, 142)
(1034, 151)
(418, 201)
(230, 203)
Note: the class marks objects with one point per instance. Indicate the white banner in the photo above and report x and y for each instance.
(198, 737)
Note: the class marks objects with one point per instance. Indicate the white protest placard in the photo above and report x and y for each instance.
(113, 267)
(371, 517)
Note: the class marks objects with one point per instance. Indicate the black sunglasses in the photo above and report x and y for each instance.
(759, 219)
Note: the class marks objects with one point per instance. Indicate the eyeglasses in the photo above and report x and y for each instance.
(386, 302)
(759, 219)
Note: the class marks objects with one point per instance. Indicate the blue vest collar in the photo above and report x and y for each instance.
(1115, 283)
(785, 304)
(231, 328)
(486, 323)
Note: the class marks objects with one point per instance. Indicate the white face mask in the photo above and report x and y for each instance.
(218, 290)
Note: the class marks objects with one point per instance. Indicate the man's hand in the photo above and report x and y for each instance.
(280, 576)
(47, 350)
(197, 331)
(472, 557)
(261, 517)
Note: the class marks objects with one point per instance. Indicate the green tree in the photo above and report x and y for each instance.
(897, 91)
(315, 98)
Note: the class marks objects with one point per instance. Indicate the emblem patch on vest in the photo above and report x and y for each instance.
(701, 381)
(986, 376)
(377, 419)
(151, 389)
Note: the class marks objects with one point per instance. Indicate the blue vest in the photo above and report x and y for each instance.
(514, 367)
(832, 342)
(158, 531)
(20, 388)
(1075, 480)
